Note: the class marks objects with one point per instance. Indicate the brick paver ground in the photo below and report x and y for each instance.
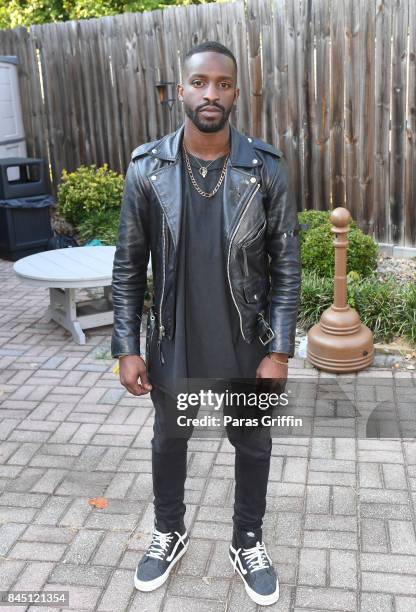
(340, 522)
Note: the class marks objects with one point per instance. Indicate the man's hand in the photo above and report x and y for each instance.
(132, 367)
(270, 369)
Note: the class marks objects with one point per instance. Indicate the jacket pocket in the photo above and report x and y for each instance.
(255, 292)
(252, 237)
(251, 243)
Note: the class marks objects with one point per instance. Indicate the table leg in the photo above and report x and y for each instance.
(77, 333)
(108, 294)
(63, 310)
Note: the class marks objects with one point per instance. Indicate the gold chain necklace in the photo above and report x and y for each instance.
(205, 194)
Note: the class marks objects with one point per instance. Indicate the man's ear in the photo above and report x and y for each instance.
(237, 93)
(179, 90)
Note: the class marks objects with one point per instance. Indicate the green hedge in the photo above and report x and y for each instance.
(90, 198)
(387, 308)
(317, 249)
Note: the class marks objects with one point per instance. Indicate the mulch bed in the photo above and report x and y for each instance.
(402, 269)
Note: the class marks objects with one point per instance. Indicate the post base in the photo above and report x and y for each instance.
(340, 343)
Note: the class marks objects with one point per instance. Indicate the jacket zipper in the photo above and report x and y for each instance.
(161, 326)
(229, 253)
(149, 340)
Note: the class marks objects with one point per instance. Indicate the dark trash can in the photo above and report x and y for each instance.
(25, 225)
(21, 177)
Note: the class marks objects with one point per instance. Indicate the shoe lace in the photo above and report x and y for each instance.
(256, 557)
(159, 545)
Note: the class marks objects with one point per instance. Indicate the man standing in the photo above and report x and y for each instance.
(213, 208)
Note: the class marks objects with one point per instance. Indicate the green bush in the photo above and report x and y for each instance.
(104, 226)
(316, 296)
(378, 305)
(316, 218)
(317, 249)
(387, 309)
(90, 197)
(407, 308)
(362, 253)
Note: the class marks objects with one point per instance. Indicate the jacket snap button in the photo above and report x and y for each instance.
(252, 180)
(249, 139)
(255, 296)
(154, 150)
(255, 161)
(153, 177)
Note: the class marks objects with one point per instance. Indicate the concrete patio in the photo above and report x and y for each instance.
(340, 522)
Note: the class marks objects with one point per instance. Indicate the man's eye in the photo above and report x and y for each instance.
(227, 85)
(196, 81)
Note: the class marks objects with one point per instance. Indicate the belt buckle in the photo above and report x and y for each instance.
(270, 335)
(267, 331)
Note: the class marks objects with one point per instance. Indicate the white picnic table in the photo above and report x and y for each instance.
(64, 271)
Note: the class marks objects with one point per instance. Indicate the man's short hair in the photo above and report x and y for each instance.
(211, 45)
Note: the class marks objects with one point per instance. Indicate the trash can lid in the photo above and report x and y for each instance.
(39, 201)
(19, 161)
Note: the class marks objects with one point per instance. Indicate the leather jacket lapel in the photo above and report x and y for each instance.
(237, 191)
(170, 198)
(168, 182)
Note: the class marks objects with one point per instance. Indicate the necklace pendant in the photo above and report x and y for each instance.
(203, 171)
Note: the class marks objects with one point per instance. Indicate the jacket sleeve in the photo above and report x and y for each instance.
(130, 266)
(285, 268)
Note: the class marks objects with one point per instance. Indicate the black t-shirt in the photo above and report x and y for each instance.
(208, 341)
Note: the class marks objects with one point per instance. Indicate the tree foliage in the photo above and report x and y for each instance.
(30, 12)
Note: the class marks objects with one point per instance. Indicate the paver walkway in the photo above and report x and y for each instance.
(340, 518)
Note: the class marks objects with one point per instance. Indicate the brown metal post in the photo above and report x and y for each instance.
(340, 342)
(341, 243)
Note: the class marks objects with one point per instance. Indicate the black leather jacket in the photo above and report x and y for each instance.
(260, 240)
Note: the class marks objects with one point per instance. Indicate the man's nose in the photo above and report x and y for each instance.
(211, 94)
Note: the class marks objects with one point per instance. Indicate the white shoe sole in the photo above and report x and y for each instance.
(262, 600)
(151, 585)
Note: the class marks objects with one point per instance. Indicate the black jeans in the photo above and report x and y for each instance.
(169, 462)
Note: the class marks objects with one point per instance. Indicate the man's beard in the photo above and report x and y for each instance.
(207, 126)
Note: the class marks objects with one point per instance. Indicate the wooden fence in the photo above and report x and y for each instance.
(330, 82)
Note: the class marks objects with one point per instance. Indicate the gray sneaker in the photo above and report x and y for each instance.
(250, 560)
(156, 564)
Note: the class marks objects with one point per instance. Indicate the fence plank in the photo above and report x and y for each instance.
(398, 119)
(255, 72)
(280, 111)
(336, 105)
(52, 95)
(382, 119)
(410, 183)
(298, 32)
(352, 97)
(237, 33)
(365, 218)
(69, 68)
(319, 104)
(171, 68)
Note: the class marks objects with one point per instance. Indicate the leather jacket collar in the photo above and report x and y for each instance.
(243, 153)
